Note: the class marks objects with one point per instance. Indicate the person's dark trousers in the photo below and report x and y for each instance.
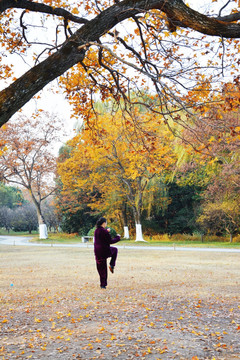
(102, 270)
(102, 266)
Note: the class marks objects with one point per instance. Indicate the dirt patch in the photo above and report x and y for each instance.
(158, 305)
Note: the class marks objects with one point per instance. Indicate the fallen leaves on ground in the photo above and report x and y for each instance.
(145, 317)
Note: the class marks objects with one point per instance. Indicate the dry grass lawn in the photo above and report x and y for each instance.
(158, 305)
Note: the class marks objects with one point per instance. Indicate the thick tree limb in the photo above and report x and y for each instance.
(23, 89)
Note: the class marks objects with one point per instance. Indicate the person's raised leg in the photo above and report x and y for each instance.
(114, 253)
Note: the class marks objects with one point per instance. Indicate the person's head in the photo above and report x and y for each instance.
(102, 222)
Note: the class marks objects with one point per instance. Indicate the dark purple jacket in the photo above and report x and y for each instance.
(102, 241)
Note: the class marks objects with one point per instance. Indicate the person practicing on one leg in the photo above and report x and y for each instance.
(103, 250)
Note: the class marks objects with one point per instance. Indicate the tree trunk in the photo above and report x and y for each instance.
(43, 234)
(126, 232)
(125, 225)
(139, 234)
(231, 237)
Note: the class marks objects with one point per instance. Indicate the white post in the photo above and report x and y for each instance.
(43, 231)
(126, 232)
(139, 235)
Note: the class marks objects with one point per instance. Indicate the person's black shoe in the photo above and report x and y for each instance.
(111, 268)
(103, 287)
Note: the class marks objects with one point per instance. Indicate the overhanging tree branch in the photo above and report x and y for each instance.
(22, 90)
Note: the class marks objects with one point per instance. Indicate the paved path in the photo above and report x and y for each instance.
(25, 241)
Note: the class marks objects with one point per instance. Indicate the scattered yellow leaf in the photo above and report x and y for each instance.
(37, 320)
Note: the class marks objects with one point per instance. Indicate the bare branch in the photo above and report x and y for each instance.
(41, 8)
(224, 6)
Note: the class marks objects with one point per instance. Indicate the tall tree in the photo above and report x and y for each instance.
(119, 160)
(221, 217)
(115, 46)
(216, 164)
(10, 196)
(27, 158)
(6, 215)
(25, 218)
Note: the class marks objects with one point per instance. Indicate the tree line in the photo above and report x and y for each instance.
(172, 122)
(135, 171)
(128, 166)
(20, 215)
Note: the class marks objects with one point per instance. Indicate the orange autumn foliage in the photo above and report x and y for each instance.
(119, 156)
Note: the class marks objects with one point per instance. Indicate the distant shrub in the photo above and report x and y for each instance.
(70, 236)
(184, 237)
(196, 237)
(64, 235)
(236, 238)
(159, 237)
(91, 232)
(113, 232)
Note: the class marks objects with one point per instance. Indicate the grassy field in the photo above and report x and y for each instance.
(158, 305)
